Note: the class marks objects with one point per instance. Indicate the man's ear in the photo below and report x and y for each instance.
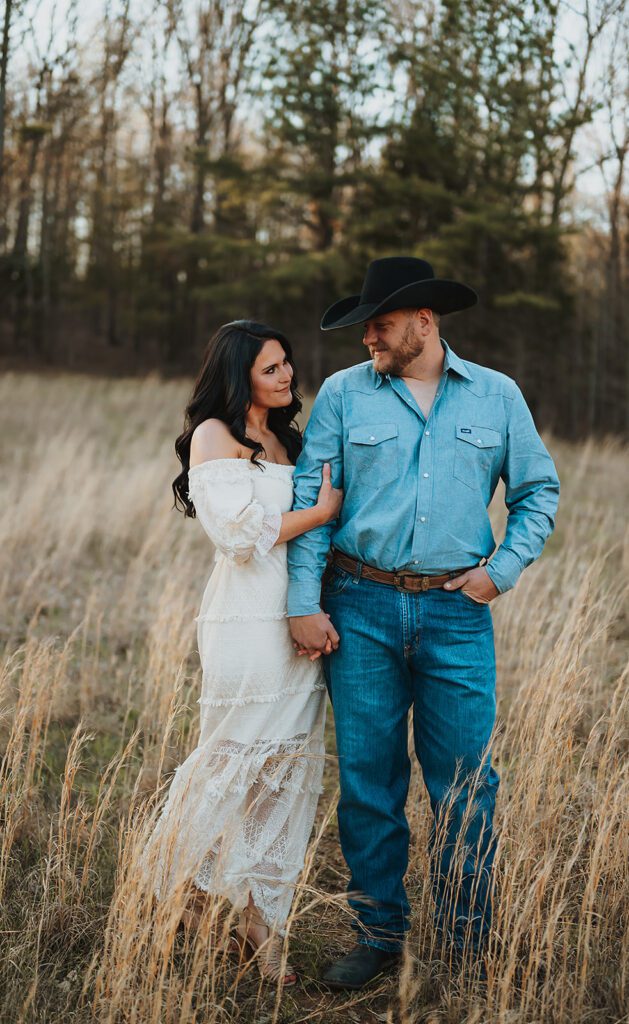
(423, 318)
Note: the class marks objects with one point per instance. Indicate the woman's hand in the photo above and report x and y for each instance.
(330, 498)
(302, 520)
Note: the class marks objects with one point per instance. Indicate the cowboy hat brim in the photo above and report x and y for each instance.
(433, 293)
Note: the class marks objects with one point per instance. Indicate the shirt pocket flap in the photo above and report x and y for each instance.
(480, 437)
(373, 433)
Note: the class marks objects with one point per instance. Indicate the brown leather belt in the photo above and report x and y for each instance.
(410, 581)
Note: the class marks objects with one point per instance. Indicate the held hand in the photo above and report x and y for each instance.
(476, 583)
(316, 654)
(330, 498)
(313, 635)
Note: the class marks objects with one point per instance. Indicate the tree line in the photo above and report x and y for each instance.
(178, 163)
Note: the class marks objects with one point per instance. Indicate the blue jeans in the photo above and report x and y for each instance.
(433, 650)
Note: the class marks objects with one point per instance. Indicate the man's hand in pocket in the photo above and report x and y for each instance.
(476, 583)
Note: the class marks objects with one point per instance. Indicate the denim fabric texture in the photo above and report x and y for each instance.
(417, 491)
(434, 652)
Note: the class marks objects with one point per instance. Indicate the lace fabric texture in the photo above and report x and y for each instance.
(224, 498)
(240, 808)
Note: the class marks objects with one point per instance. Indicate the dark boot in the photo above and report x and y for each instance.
(359, 967)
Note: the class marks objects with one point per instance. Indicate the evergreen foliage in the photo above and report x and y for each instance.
(249, 158)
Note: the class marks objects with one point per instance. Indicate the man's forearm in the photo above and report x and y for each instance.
(304, 597)
(307, 553)
(527, 533)
(306, 564)
(531, 495)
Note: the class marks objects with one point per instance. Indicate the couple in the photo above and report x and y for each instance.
(358, 562)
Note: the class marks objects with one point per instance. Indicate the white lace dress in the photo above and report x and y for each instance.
(241, 807)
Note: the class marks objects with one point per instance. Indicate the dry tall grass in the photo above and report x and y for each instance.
(100, 582)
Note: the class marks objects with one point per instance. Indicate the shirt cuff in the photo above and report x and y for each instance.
(504, 569)
(304, 597)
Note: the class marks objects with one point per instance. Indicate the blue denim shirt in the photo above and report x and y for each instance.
(417, 489)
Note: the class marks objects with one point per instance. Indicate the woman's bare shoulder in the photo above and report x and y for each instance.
(213, 439)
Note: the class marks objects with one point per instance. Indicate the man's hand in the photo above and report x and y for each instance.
(313, 635)
(476, 583)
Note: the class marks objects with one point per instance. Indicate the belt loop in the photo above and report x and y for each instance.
(358, 572)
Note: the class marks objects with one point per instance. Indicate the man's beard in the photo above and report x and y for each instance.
(410, 347)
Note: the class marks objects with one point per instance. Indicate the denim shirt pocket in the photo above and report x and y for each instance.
(475, 449)
(372, 452)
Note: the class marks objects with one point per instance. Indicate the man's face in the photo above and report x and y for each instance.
(393, 340)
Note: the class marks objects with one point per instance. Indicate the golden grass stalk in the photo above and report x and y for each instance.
(99, 675)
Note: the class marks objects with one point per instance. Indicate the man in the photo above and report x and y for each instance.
(418, 439)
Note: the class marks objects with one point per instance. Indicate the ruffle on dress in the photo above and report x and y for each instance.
(240, 808)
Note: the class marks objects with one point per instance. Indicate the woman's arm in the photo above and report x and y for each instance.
(327, 508)
(212, 440)
(296, 523)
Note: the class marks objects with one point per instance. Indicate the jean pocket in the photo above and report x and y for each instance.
(470, 600)
(334, 581)
(372, 452)
(475, 449)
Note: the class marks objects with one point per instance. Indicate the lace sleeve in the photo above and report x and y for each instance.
(236, 523)
(271, 526)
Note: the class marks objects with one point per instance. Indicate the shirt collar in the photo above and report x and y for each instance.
(450, 362)
(454, 362)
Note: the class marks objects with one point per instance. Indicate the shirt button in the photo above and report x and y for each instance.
(414, 561)
(422, 519)
(479, 440)
(372, 438)
(425, 474)
(427, 432)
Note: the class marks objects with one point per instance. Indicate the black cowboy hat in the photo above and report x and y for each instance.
(398, 282)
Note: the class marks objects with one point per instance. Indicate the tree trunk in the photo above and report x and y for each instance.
(24, 211)
(41, 326)
(4, 61)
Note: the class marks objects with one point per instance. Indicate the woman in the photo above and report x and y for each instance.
(241, 807)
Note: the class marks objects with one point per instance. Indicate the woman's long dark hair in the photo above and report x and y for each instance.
(223, 391)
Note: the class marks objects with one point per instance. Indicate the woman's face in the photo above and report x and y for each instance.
(271, 376)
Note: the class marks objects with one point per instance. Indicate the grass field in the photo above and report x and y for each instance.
(100, 582)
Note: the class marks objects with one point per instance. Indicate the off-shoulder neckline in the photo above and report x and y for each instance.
(212, 462)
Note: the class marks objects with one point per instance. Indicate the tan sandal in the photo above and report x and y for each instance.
(268, 954)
